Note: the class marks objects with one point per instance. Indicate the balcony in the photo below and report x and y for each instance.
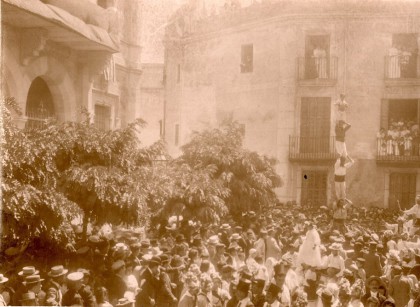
(402, 71)
(312, 149)
(317, 71)
(399, 155)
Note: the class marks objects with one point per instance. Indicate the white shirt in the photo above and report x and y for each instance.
(414, 210)
(285, 298)
(341, 170)
(336, 262)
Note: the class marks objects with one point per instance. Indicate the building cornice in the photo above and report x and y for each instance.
(291, 18)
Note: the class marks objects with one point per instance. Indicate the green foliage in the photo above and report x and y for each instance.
(53, 174)
(201, 195)
(251, 178)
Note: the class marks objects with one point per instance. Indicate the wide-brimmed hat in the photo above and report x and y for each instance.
(75, 276)
(57, 271)
(3, 279)
(213, 240)
(235, 236)
(225, 227)
(393, 255)
(32, 279)
(155, 261)
(336, 246)
(374, 278)
(28, 270)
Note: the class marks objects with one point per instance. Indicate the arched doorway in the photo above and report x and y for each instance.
(39, 104)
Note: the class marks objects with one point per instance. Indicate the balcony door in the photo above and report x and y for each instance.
(314, 188)
(315, 116)
(402, 188)
(317, 56)
(406, 45)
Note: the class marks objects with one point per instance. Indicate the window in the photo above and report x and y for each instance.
(102, 117)
(178, 73)
(314, 188)
(176, 135)
(247, 58)
(402, 188)
(317, 56)
(403, 56)
(315, 116)
(39, 104)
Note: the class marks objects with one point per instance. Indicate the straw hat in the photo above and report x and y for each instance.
(28, 271)
(57, 271)
(33, 279)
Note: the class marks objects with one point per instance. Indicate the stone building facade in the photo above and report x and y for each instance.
(277, 67)
(59, 56)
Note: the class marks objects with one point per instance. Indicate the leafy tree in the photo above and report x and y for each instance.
(56, 173)
(31, 206)
(250, 177)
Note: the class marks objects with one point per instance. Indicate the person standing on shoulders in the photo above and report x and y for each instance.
(340, 170)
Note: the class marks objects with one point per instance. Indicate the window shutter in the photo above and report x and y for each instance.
(384, 113)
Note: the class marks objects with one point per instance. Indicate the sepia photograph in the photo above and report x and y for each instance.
(210, 153)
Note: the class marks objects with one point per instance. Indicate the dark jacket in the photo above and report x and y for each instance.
(373, 265)
(116, 288)
(149, 285)
(83, 297)
(164, 295)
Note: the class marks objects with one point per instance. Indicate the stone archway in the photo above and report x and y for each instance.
(39, 104)
(60, 83)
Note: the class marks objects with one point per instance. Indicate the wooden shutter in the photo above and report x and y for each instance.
(384, 113)
(402, 188)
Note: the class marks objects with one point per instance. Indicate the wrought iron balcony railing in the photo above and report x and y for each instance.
(312, 148)
(402, 152)
(317, 69)
(402, 67)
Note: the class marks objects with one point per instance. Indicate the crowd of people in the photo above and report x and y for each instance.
(401, 139)
(280, 258)
(344, 256)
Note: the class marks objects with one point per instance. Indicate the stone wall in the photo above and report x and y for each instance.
(267, 101)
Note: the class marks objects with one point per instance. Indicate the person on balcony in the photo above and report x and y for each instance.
(340, 133)
(340, 170)
(342, 107)
(394, 66)
(320, 58)
(382, 135)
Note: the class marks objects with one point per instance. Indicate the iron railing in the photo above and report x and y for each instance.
(402, 67)
(312, 148)
(389, 150)
(310, 68)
